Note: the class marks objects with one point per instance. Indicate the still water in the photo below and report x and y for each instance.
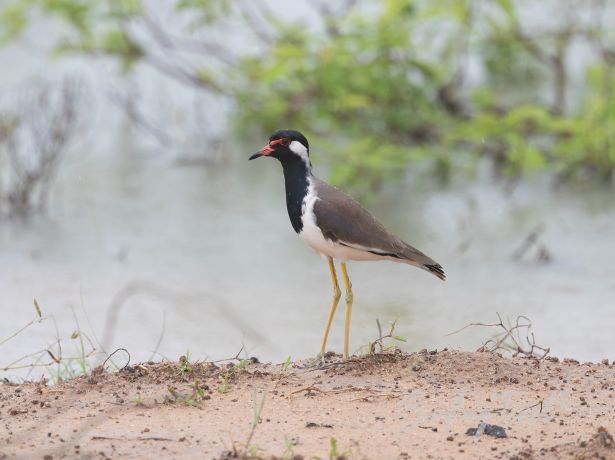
(205, 259)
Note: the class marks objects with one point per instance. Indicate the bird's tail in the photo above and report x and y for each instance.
(415, 257)
(436, 269)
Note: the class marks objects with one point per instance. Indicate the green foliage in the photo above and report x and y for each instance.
(381, 85)
(380, 344)
(368, 85)
(589, 145)
(98, 27)
(225, 379)
(12, 21)
(138, 400)
(205, 11)
(376, 98)
(530, 137)
(194, 398)
(289, 453)
(185, 369)
(333, 453)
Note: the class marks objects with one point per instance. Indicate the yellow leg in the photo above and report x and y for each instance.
(349, 298)
(334, 302)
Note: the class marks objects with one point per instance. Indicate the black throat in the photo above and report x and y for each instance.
(296, 179)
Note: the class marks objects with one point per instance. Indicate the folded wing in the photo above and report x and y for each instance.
(344, 221)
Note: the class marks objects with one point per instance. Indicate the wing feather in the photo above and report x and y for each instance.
(343, 220)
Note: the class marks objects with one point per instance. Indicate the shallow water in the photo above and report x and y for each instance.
(204, 258)
(211, 263)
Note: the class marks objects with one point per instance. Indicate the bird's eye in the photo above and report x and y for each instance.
(285, 142)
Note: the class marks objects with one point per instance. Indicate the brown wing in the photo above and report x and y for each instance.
(343, 220)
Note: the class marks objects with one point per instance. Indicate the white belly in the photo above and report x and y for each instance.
(326, 248)
(314, 238)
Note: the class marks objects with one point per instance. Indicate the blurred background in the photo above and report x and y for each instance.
(480, 131)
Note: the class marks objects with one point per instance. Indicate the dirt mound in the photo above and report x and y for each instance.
(394, 405)
(601, 446)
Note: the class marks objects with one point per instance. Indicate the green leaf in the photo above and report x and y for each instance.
(13, 20)
(508, 7)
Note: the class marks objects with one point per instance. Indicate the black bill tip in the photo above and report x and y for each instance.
(255, 156)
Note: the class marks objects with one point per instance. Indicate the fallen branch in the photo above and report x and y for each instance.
(140, 438)
(539, 403)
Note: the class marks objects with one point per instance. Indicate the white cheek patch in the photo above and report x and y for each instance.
(299, 149)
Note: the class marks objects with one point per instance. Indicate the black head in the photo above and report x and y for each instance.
(286, 145)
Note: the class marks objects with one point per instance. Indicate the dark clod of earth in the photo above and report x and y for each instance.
(318, 425)
(490, 430)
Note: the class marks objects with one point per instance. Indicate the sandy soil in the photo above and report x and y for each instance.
(390, 406)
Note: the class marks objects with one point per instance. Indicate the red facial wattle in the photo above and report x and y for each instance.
(269, 148)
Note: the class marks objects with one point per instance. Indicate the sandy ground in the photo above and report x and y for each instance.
(386, 406)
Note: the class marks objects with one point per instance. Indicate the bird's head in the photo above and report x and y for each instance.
(286, 146)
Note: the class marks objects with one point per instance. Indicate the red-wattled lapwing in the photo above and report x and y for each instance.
(333, 224)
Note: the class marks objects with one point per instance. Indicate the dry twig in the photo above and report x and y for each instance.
(46, 120)
(510, 339)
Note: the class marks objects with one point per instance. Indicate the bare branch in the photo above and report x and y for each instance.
(530, 240)
(185, 75)
(175, 44)
(45, 123)
(257, 24)
(139, 119)
(510, 340)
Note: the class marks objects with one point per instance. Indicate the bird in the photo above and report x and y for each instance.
(333, 224)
